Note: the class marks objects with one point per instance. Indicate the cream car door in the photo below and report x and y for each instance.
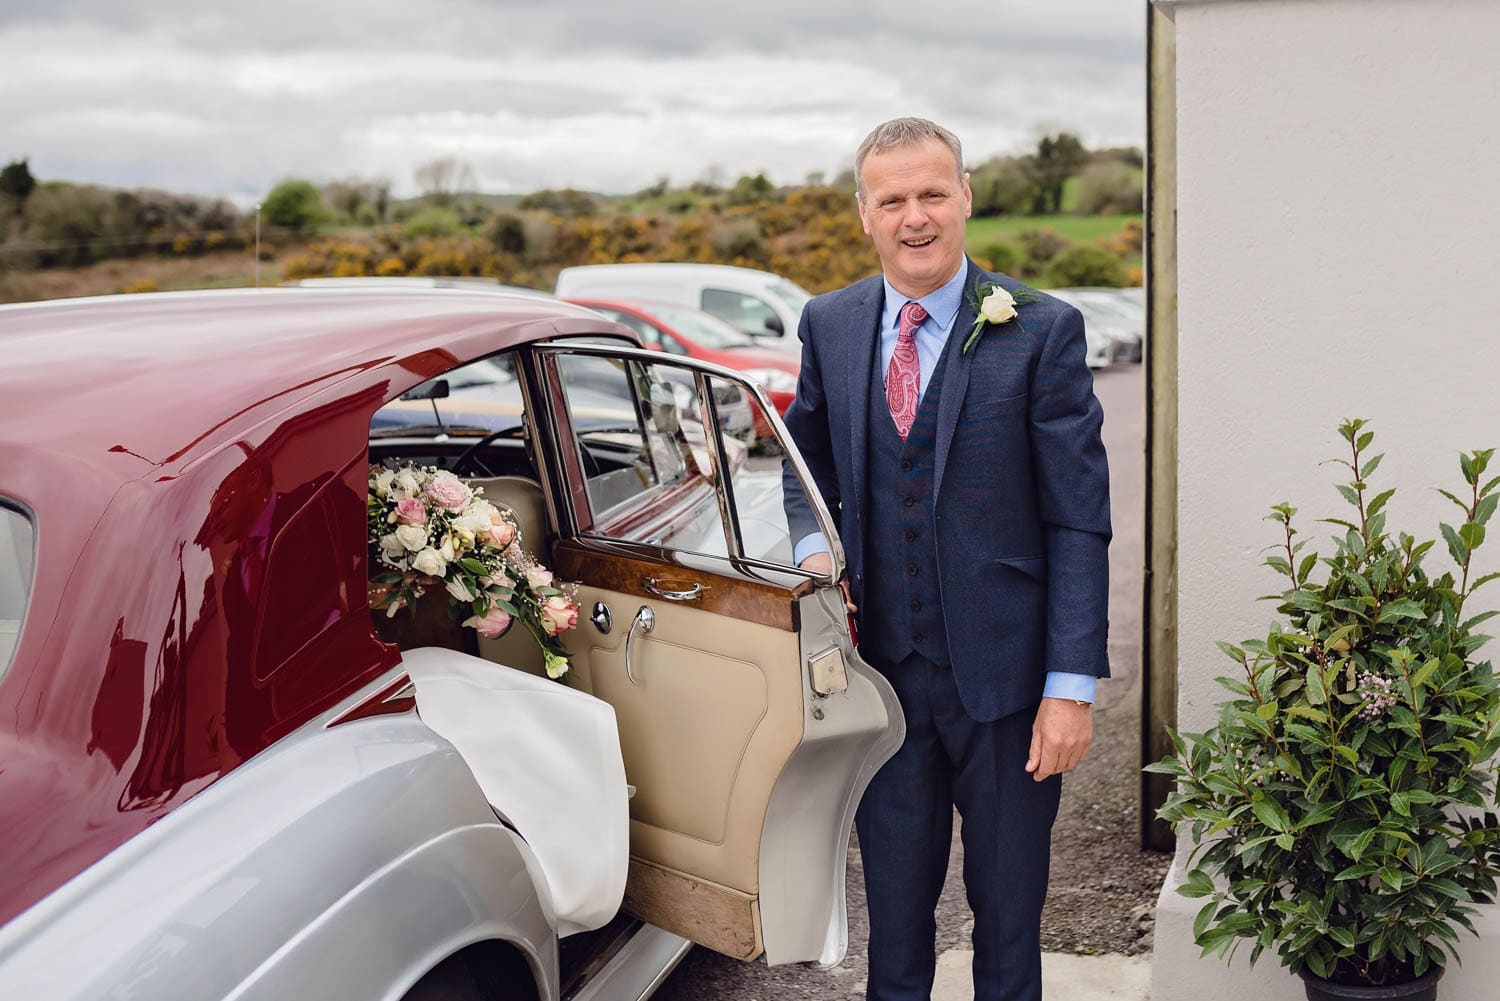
(749, 726)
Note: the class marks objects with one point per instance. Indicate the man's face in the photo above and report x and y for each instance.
(913, 205)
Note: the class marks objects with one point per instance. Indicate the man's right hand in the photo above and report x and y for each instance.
(822, 563)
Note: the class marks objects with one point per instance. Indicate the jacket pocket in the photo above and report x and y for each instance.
(994, 408)
(1034, 567)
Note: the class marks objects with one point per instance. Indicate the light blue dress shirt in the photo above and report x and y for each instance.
(932, 337)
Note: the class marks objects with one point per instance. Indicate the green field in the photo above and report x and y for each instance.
(1080, 228)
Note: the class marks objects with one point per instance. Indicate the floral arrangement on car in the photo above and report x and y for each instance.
(426, 528)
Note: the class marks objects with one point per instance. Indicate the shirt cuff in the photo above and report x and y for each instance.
(809, 546)
(1064, 685)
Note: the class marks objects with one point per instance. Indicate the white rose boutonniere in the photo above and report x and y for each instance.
(993, 305)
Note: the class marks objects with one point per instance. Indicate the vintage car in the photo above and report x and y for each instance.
(219, 779)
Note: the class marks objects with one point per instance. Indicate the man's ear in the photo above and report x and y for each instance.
(864, 221)
(968, 197)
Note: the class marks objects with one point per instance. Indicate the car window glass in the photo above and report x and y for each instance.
(754, 454)
(647, 471)
(794, 295)
(648, 333)
(746, 312)
(703, 328)
(17, 554)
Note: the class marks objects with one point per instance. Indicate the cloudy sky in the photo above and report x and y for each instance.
(607, 95)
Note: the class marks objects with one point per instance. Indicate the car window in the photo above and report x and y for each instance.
(746, 312)
(646, 465)
(794, 295)
(704, 328)
(648, 333)
(755, 480)
(17, 557)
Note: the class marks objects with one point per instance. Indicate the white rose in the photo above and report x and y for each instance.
(430, 562)
(458, 590)
(471, 524)
(998, 306)
(383, 482)
(412, 537)
(391, 547)
(447, 551)
(406, 483)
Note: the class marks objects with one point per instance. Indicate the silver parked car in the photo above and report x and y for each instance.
(1118, 314)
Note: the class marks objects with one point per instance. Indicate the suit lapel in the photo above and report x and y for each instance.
(956, 379)
(861, 337)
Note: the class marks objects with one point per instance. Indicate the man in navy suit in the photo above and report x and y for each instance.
(969, 483)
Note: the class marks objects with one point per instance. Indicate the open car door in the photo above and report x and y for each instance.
(748, 724)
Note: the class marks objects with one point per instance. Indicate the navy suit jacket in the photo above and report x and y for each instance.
(1021, 492)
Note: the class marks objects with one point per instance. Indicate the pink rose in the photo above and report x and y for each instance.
(501, 533)
(559, 614)
(410, 511)
(447, 492)
(491, 624)
(539, 576)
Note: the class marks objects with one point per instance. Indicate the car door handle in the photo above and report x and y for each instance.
(644, 621)
(658, 586)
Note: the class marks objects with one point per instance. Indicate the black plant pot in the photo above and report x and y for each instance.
(1421, 989)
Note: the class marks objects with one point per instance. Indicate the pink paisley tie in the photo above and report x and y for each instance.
(903, 385)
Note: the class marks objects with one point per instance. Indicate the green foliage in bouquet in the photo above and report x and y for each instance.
(1341, 808)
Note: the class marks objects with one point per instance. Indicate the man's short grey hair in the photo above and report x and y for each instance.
(899, 133)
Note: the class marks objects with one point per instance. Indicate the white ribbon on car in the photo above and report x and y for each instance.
(547, 758)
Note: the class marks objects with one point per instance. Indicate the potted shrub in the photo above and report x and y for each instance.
(1339, 806)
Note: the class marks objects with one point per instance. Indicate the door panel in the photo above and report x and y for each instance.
(747, 723)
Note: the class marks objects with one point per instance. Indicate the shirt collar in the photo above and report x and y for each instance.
(941, 303)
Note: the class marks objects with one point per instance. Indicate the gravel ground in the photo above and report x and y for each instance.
(1103, 885)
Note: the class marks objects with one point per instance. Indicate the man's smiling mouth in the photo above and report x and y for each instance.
(922, 242)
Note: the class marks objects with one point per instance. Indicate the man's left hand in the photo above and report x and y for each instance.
(1060, 737)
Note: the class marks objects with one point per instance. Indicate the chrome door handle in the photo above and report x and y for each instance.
(655, 586)
(645, 621)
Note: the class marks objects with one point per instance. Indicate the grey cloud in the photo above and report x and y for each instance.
(587, 92)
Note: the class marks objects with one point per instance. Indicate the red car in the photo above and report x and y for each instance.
(222, 777)
(692, 333)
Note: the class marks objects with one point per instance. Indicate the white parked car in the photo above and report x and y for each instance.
(764, 305)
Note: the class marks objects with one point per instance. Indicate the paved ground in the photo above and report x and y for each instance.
(1096, 927)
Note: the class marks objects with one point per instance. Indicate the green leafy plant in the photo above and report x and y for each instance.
(1338, 806)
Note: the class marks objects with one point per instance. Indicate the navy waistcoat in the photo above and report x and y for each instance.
(901, 610)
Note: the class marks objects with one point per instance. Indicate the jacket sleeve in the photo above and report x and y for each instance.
(807, 421)
(1072, 483)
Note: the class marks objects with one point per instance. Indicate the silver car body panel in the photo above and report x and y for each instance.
(342, 862)
(638, 969)
(804, 848)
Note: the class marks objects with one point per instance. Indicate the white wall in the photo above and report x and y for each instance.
(1338, 255)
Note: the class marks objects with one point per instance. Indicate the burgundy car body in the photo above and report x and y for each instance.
(193, 554)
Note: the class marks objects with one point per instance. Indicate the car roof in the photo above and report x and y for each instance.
(676, 268)
(163, 376)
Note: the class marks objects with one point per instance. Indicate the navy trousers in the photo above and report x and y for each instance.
(905, 825)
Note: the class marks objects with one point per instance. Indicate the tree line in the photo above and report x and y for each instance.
(354, 226)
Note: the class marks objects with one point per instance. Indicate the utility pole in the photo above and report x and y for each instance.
(257, 244)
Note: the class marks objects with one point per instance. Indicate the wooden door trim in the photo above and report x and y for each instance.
(730, 587)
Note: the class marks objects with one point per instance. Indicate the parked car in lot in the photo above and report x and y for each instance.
(1112, 312)
(764, 305)
(692, 333)
(218, 780)
(469, 283)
